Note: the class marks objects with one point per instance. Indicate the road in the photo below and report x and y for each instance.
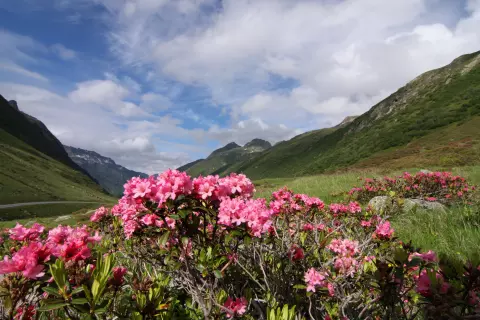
(14, 205)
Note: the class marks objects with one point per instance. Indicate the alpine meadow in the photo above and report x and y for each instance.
(237, 159)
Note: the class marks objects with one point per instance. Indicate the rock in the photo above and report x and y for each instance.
(425, 171)
(13, 104)
(383, 204)
(63, 218)
(411, 204)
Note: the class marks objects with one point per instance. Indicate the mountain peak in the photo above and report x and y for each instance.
(229, 146)
(346, 121)
(13, 104)
(258, 143)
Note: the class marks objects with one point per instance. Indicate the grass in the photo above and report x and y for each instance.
(49, 215)
(454, 234)
(28, 175)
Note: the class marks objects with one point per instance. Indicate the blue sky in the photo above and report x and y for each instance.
(157, 83)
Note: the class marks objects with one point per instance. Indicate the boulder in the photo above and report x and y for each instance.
(411, 204)
(383, 204)
(425, 171)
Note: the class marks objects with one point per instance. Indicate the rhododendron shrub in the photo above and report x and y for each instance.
(433, 186)
(204, 248)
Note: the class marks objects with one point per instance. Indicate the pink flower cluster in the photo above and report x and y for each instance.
(28, 261)
(254, 213)
(344, 247)
(429, 256)
(383, 231)
(237, 306)
(118, 274)
(71, 243)
(425, 286)
(20, 233)
(99, 214)
(345, 263)
(215, 188)
(285, 202)
(314, 279)
(431, 186)
(339, 208)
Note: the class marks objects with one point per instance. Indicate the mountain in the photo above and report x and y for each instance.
(35, 167)
(110, 175)
(220, 161)
(33, 132)
(432, 120)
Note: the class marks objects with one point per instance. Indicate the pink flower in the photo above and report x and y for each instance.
(141, 189)
(20, 233)
(346, 265)
(118, 273)
(344, 247)
(28, 260)
(149, 219)
(431, 199)
(71, 243)
(354, 207)
(129, 227)
(383, 231)
(237, 306)
(366, 224)
(424, 284)
(314, 278)
(99, 214)
(429, 256)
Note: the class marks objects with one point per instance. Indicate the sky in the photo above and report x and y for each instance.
(155, 84)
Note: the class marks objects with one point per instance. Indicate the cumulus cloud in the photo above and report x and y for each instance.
(83, 124)
(342, 56)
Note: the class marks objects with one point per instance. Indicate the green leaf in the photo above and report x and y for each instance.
(218, 274)
(52, 291)
(174, 216)
(77, 290)
(53, 306)
(164, 238)
(80, 301)
(299, 286)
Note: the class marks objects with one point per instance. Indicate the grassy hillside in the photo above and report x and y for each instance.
(28, 175)
(426, 116)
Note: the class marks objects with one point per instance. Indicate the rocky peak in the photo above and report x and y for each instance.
(13, 104)
(258, 143)
(347, 120)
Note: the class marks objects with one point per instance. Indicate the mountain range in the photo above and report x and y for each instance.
(431, 121)
(110, 175)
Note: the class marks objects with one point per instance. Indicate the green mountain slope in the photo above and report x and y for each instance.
(221, 160)
(428, 104)
(35, 167)
(28, 175)
(110, 176)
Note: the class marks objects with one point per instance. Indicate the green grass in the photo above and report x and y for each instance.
(454, 234)
(28, 175)
(49, 215)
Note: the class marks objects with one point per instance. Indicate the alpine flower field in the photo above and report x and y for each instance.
(204, 248)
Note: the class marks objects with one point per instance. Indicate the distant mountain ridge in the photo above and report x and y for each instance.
(110, 175)
(220, 160)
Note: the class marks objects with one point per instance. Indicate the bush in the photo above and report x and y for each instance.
(433, 186)
(177, 248)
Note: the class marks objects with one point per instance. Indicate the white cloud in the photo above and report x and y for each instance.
(343, 55)
(12, 67)
(83, 124)
(63, 52)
